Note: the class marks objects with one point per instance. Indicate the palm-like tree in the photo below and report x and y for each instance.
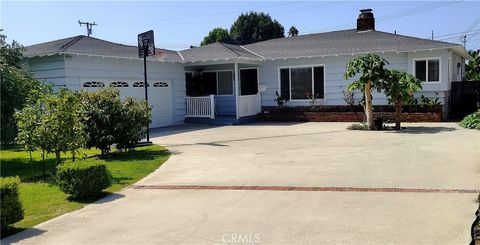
(399, 86)
(372, 72)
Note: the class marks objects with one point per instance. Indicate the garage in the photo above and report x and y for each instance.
(160, 97)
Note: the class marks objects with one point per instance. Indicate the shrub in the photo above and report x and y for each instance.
(134, 120)
(357, 126)
(11, 207)
(103, 110)
(111, 120)
(471, 121)
(83, 178)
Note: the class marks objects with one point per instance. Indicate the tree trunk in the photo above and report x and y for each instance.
(73, 155)
(57, 156)
(44, 164)
(398, 114)
(369, 105)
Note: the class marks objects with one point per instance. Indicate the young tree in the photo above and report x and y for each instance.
(372, 72)
(472, 69)
(292, 31)
(61, 124)
(255, 27)
(399, 86)
(27, 121)
(17, 87)
(217, 35)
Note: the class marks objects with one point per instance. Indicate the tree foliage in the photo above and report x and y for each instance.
(134, 118)
(103, 116)
(56, 128)
(371, 69)
(217, 35)
(472, 68)
(17, 87)
(255, 27)
(109, 120)
(292, 31)
(399, 87)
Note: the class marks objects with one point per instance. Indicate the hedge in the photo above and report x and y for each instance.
(82, 179)
(11, 207)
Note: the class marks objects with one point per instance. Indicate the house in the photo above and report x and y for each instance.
(232, 83)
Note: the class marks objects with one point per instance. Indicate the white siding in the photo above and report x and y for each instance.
(79, 69)
(334, 82)
(48, 69)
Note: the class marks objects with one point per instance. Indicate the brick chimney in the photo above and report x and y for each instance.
(365, 21)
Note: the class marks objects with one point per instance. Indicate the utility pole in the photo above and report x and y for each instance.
(432, 35)
(464, 41)
(89, 26)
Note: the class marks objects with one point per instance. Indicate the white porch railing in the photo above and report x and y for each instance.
(248, 105)
(201, 106)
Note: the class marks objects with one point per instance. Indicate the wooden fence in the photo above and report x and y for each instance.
(464, 98)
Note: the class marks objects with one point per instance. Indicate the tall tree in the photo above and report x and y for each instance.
(372, 72)
(399, 86)
(217, 35)
(17, 87)
(472, 69)
(254, 27)
(292, 31)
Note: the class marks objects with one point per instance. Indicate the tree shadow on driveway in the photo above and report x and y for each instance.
(423, 130)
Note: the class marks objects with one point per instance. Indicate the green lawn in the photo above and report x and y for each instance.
(42, 199)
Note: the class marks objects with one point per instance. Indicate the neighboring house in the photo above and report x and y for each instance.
(236, 81)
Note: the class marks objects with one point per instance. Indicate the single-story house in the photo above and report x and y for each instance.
(233, 82)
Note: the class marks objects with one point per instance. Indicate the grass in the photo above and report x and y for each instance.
(42, 199)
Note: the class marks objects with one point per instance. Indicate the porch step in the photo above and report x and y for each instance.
(220, 120)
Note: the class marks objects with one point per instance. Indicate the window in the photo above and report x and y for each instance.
(298, 83)
(427, 70)
(225, 83)
(160, 84)
(218, 82)
(93, 84)
(140, 84)
(119, 84)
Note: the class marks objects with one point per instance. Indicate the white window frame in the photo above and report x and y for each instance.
(313, 80)
(240, 78)
(426, 69)
(216, 78)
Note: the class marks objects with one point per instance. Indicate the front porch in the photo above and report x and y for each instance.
(222, 94)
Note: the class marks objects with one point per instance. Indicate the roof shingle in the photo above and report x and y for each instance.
(94, 46)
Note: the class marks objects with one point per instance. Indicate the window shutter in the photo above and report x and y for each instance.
(285, 83)
(319, 82)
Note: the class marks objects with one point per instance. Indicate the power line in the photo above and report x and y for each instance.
(396, 15)
(457, 33)
(191, 16)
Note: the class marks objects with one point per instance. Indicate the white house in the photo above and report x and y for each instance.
(232, 82)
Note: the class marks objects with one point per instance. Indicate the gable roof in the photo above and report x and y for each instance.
(342, 42)
(217, 51)
(83, 45)
(311, 45)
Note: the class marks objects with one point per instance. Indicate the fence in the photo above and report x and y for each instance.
(464, 98)
(201, 106)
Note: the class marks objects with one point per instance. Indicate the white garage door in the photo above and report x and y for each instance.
(159, 98)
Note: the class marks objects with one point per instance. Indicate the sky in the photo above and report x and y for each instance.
(180, 24)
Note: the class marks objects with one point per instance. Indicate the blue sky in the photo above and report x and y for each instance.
(178, 24)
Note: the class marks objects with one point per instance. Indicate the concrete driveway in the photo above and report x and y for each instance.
(314, 183)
